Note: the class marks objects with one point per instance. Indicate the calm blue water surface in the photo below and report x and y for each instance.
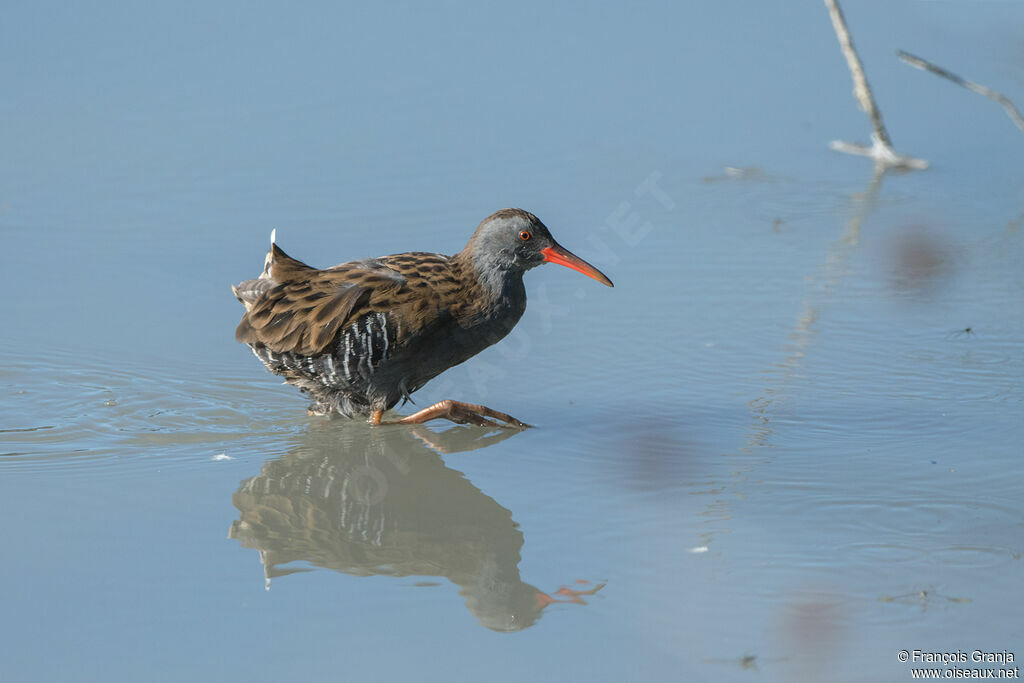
(786, 446)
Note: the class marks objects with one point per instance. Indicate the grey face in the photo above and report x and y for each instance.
(513, 239)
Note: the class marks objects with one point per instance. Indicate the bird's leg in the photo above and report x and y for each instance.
(456, 411)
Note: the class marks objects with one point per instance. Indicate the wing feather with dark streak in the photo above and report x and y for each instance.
(295, 308)
(299, 309)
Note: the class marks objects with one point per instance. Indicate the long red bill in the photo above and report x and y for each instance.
(563, 257)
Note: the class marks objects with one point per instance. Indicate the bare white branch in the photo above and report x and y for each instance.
(880, 150)
(861, 89)
(880, 153)
(925, 65)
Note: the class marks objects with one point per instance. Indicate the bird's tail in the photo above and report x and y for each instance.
(278, 267)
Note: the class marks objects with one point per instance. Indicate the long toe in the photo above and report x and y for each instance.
(498, 415)
(507, 419)
(459, 413)
(464, 415)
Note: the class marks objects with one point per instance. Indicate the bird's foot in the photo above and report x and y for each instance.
(456, 411)
(459, 440)
(572, 595)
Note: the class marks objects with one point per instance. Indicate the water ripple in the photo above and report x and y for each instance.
(95, 414)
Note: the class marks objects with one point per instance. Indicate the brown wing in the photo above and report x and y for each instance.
(294, 307)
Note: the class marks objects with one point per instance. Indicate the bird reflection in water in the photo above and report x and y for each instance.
(370, 501)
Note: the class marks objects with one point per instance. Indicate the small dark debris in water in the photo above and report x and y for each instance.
(426, 584)
(777, 225)
(747, 661)
(966, 332)
(923, 597)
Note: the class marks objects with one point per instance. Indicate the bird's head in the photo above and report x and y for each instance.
(515, 240)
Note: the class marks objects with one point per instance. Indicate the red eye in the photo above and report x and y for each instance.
(525, 236)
